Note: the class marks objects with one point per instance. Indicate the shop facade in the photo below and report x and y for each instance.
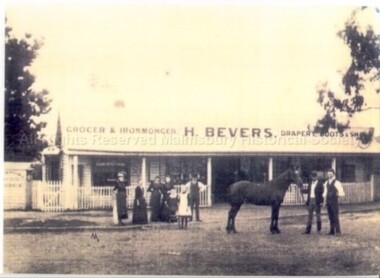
(218, 158)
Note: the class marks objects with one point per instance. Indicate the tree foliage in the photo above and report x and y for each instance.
(364, 69)
(23, 105)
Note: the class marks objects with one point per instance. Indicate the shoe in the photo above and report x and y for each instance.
(306, 233)
(199, 220)
(338, 234)
(331, 233)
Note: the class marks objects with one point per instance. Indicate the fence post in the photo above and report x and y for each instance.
(40, 195)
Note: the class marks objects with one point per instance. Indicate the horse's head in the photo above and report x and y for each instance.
(294, 176)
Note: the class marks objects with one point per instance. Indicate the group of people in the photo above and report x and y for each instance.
(324, 194)
(166, 205)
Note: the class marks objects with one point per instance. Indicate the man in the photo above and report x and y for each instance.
(314, 201)
(195, 187)
(332, 191)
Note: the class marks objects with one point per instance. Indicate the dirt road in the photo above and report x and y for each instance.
(203, 249)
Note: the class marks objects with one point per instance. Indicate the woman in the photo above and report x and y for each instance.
(140, 215)
(121, 198)
(166, 189)
(155, 199)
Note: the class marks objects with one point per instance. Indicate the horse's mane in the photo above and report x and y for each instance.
(280, 176)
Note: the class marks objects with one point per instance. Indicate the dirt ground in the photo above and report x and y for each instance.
(203, 249)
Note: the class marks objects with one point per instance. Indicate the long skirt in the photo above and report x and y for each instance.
(155, 205)
(165, 213)
(140, 215)
(121, 203)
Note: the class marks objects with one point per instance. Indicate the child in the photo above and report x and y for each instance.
(183, 212)
(172, 205)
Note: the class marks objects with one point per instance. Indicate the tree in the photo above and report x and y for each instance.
(362, 76)
(23, 105)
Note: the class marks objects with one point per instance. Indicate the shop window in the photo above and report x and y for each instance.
(179, 168)
(258, 170)
(52, 169)
(348, 173)
(104, 170)
(313, 163)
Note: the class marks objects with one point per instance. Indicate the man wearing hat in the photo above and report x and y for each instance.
(314, 200)
(332, 191)
(195, 187)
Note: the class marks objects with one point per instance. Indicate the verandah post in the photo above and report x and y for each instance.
(270, 168)
(73, 193)
(209, 180)
(143, 172)
(333, 164)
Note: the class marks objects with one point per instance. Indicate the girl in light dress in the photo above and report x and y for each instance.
(184, 211)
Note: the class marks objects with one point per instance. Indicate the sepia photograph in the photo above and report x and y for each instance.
(214, 138)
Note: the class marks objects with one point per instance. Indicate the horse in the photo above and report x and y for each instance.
(271, 194)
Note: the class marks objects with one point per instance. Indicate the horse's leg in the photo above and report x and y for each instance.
(272, 221)
(277, 216)
(237, 208)
(228, 227)
(231, 218)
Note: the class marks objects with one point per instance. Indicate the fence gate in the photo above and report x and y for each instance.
(48, 196)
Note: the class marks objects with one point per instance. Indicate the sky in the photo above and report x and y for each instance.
(175, 65)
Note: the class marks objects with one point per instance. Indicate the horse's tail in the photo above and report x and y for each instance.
(228, 193)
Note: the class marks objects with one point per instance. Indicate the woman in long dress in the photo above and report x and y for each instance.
(166, 189)
(121, 198)
(155, 199)
(140, 215)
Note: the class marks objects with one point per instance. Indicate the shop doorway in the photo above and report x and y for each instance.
(224, 171)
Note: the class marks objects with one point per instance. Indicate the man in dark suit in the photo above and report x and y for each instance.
(195, 187)
(332, 191)
(314, 200)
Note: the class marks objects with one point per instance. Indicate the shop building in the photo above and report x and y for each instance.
(90, 156)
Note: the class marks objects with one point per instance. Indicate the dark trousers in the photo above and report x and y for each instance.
(194, 204)
(333, 211)
(311, 208)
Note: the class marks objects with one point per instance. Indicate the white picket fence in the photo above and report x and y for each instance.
(358, 192)
(293, 196)
(54, 196)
